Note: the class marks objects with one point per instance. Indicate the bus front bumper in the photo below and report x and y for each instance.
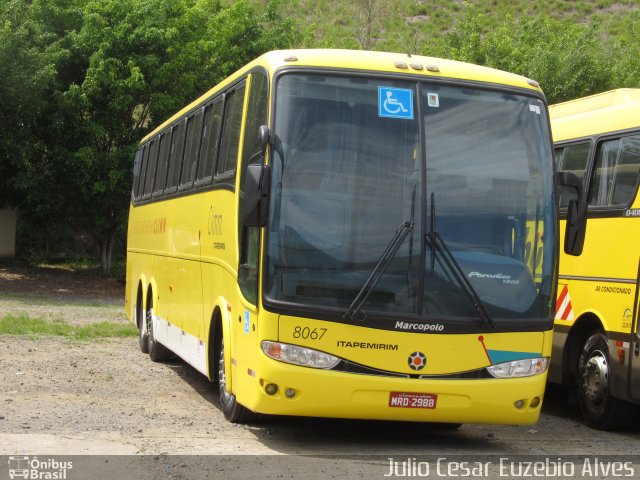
(283, 389)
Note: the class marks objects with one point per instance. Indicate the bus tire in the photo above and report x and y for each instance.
(599, 409)
(143, 340)
(143, 334)
(157, 351)
(232, 410)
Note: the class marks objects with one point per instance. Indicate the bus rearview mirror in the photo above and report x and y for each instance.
(576, 227)
(257, 184)
(263, 137)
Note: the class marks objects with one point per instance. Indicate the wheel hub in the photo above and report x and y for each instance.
(222, 379)
(596, 378)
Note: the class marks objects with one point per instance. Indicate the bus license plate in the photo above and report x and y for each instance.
(412, 400)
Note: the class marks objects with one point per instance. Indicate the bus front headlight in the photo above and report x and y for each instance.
(296, 355)
(520, 368)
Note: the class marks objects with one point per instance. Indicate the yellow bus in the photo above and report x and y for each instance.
(345, 234)
(596, 344)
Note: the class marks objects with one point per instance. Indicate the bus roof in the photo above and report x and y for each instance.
(401, 63)
(601, 113)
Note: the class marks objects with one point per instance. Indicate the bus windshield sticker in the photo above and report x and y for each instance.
(395, 102)
(534, 108)
(433, 100)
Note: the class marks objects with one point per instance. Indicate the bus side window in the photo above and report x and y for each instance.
(163, 161)
(143, 171)
(152, 164)
(136, 172)
(571, 158)
(232, 122)
(175, 158)
(210, 141)
(625, 183)
(192, 150)
(616, 173)
(249, 237)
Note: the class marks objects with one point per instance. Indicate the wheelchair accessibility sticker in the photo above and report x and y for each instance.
(395, 102)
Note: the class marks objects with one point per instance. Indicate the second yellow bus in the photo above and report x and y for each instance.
(596, 341)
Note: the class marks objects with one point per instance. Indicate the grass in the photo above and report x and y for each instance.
(85, 265)
(323, 23)
(26, 325)
(18, 299)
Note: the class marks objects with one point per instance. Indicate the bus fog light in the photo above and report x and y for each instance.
(519, 368)
(535, 402)
(290, 392)
(305, 357)
(271, 388)
(519, 404)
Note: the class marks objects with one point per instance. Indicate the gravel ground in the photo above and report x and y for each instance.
(105, 389)
(100, 391)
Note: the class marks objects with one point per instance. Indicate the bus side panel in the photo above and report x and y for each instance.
(603, 294)
(219, 260)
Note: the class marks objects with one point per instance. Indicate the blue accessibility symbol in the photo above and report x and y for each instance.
(395, 102)
(247, 321)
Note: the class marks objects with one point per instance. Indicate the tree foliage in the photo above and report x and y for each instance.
(86, 80)
(566, 59)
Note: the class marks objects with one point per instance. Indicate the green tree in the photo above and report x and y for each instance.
(141, 61)
(83, 81)
(25, 74)
(567, 59)
(145, 60)
(625, 70)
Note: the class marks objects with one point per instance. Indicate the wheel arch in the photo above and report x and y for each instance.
(580, 332)
(143, 285)
(219, 327)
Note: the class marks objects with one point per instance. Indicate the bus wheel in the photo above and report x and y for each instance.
(232, 410)
(599, 408)
(143, 334)
(157, 351)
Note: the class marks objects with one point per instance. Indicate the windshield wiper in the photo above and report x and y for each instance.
(437, 242)
(385, 259)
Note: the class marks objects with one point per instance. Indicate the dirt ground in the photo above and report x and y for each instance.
(61, 285)
(55, 391)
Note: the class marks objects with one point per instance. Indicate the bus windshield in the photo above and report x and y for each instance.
(356, 158)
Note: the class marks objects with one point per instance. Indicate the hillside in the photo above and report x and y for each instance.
(419, 26)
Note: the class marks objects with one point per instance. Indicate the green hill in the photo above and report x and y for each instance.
(419, 26)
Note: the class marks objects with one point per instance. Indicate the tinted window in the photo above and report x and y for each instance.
(163, 161)
(152, 164)
(175, 158)
(136, 171)
(210, 139)
(571, 158)
(251, 153)
(190, 163)
(230, 133)
(615, 177)
(143, 170)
